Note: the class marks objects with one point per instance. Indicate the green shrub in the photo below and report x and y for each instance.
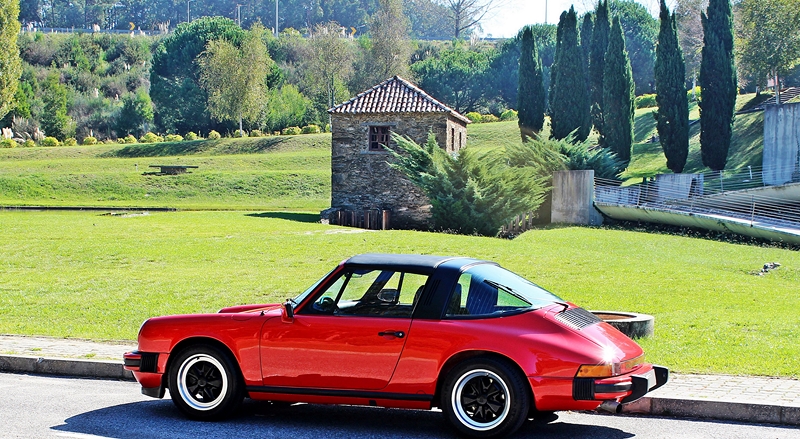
(256, 133)
(191, 135)
(471, 192)
(70, 141)
(50, 141)
(173, 138)
(130, 139)
(121, 140)
(29, 143)
(109, 142)
(310, 129)
(291, 131)
(151, 138)
(645, 101)
(509, 115)
(327, 128)
(489, 118)
(8, 143)
(89, 140)
(475, 117)
(214, 135)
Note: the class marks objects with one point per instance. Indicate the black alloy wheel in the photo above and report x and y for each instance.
(485, 398)
(204, 383)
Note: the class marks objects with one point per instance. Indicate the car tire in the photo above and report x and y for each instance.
(204, 383)
(485, 398)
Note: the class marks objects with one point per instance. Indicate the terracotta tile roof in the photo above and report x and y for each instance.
(395, 95)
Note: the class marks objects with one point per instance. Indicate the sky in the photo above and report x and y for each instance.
(507, 19)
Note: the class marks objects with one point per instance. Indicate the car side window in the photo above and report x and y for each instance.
(381, 293)
(474, 297)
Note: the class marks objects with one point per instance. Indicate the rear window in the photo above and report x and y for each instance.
(488, 290)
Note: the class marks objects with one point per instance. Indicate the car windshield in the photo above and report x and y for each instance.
(297, 300)
(511, 292)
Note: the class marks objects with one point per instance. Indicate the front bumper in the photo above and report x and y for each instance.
(145, 367)
(625, 388)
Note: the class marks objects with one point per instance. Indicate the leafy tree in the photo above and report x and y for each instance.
(391, 48)
(178, 99)
(10, 64)
(465, 15)
(718, 84)
(286, 107)
(329, 63)
(137, 110)
(672, 116)
(235, 78)
(531, 106)
(618, 95)
(769, 37)
(690, 34)
(471, 193)
(55, 121)
(457, 77)
(569, 103)
(597, 55)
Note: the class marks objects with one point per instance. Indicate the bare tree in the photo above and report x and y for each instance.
(690, 33)
(467, 14)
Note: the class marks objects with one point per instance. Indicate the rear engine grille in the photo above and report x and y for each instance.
(578, 318)
(583, 389)
(149, 362)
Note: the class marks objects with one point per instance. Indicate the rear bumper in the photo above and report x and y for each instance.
(624, 388)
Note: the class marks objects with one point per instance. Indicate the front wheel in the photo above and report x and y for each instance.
(485, 398)
(204, 383)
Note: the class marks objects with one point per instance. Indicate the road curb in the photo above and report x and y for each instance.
(721, 410)
(61, 366)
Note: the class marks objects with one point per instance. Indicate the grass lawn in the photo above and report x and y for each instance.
(275, 173)
(83, 274)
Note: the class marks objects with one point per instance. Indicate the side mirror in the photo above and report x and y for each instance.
(287, 316)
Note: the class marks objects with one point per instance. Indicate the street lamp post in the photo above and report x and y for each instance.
(239, 14)
(187, 10)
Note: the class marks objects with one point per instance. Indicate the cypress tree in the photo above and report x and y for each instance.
(618, 95)
(587, 26)
(672, 117)
(597, 55)
(531, 100)
(554, 66)
(570, 103)
(718, 84)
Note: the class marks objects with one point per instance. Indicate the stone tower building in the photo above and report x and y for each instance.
(361, 179)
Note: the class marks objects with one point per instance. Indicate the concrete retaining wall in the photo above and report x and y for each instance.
(781, 143)
(573, 198)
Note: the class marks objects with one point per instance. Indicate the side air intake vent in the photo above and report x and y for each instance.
(149, 362)
(578, 318)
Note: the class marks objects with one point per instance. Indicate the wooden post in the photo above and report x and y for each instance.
(385, 218)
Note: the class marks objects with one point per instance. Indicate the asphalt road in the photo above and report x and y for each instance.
(50, 407)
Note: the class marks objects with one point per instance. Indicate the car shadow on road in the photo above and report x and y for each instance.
(160, 419)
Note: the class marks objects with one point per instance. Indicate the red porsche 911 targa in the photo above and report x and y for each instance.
(488, 347)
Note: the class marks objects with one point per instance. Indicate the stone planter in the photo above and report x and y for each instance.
(632, 324)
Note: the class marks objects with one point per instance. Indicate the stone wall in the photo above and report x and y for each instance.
(362, 179)
(573, 198)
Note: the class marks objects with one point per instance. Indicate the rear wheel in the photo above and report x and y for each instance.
(204, 383)
(485, 398)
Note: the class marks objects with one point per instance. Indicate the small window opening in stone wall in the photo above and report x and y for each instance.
(452, 139)
(378, 137)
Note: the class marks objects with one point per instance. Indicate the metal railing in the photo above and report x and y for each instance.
(734, 194)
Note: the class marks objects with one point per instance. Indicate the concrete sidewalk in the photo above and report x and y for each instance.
(737, 398)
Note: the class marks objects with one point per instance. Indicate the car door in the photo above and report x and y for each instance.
(350, 337)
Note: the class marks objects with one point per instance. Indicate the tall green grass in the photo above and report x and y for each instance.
(81, 274)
